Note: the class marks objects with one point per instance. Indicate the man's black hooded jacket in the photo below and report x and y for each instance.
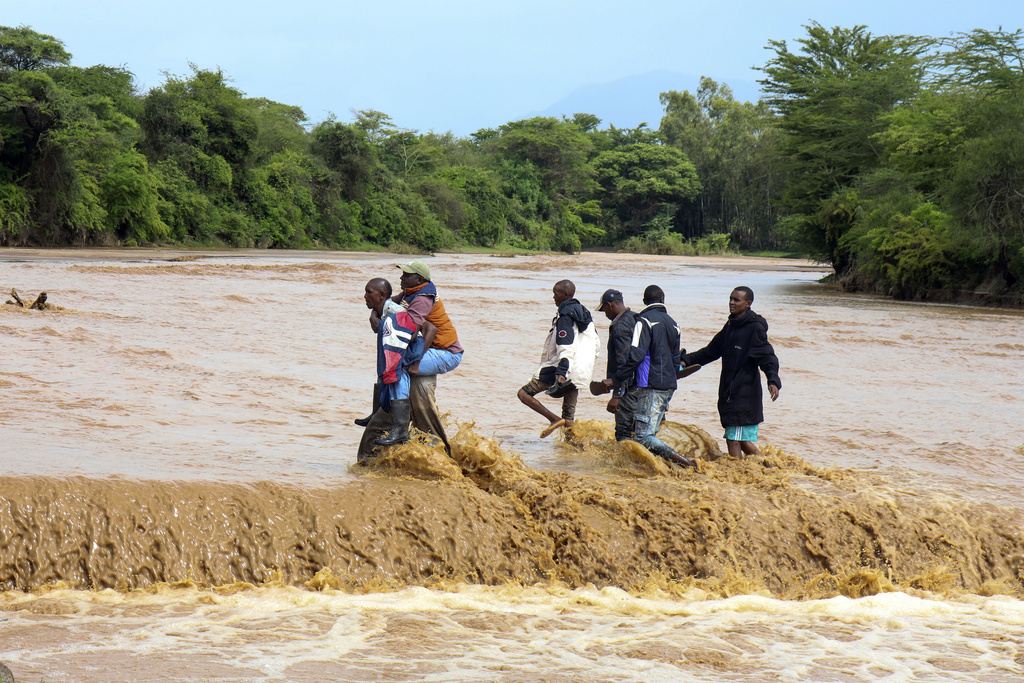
(743, 347)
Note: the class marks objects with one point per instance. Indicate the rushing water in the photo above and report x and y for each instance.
(178, 499)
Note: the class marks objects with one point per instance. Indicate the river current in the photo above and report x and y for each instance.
(179, 499)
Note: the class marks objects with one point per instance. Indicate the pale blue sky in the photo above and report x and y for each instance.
(462, 65)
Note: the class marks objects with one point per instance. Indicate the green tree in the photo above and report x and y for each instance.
(114, 83)
(733, 146)
(560, 150)
(641, 181)
(585, 122)
(559, 153)
(955, 148)
(345, 151)
(68, 166)
(831, 99)
(470, 202)
(22, 49)
(201, 114)
(612, 137)
(236, 169)
(27, 92)
(279, 128)
(984, 187)
(528, 203)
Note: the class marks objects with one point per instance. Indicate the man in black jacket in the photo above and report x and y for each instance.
(625, 393)
(743, 347)
(653, 360)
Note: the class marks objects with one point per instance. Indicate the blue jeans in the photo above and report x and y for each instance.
(439, 361)
(650, 413)
(400, 389)
(434, 362)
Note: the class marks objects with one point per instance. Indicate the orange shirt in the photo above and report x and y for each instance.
(446, 337)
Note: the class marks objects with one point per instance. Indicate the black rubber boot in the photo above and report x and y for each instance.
(363, 421)
(400, 415)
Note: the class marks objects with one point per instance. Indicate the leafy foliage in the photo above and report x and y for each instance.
(640, 181)
(733, 146)
(831, 98)
(897, 159)
(905, 158)
(22, 49)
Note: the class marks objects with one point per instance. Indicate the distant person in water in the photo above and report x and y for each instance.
(390, 423)
(743, 347)
(625, 393)
(567, 359)
(652, 360)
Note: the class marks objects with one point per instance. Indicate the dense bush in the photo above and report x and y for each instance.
(896, 159)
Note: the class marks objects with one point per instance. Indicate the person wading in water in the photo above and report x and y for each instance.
(743, 347)
(567, 360)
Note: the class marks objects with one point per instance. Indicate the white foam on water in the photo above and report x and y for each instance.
(476, 633)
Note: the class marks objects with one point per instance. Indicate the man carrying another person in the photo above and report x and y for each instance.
(567, 360)
(414, 395)
(653, 359)
(442, 350)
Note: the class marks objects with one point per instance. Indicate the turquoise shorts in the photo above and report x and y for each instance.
(744, 433)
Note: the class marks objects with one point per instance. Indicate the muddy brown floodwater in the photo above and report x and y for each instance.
(177, 483)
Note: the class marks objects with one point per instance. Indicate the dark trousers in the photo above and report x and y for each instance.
(425, 417)
(627, 412)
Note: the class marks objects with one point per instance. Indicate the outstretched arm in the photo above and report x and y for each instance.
(619, 339)
(710, 353)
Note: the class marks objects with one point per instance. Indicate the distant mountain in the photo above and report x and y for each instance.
(628, 102)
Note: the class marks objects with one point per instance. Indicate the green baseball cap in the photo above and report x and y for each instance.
(418, 267)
